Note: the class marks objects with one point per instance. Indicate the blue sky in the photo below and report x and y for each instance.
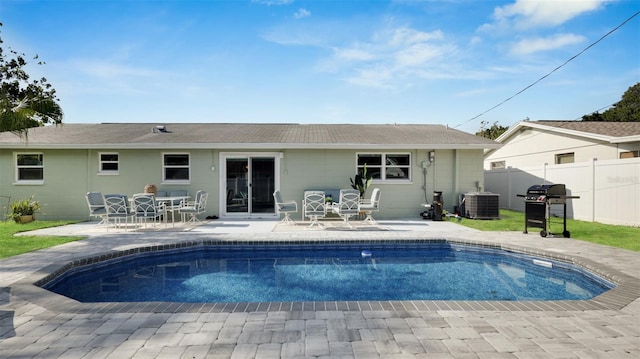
(402, 61)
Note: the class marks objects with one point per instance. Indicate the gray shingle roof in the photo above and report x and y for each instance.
(243, 135)
(612, 129)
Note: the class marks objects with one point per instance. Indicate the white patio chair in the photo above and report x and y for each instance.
(146, 208)
(193, 209)
(174, 205)
(97, 208)
(314, 206)
(348, 205)
(285, 207)
(371, 205)
(117, 208)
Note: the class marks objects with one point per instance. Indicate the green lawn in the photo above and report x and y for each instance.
(610, 235)
(615, 236)
(11, 245)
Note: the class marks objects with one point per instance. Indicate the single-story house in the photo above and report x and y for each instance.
(239, 165)
(533, 143)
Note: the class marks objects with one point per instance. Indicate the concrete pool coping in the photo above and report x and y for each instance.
(626, 290)
(607, 328)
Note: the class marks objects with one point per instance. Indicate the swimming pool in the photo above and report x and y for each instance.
(327, 272)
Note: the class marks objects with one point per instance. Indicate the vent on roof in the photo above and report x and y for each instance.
(159, 128)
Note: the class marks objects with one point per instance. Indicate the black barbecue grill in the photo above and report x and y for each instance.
(538, 202)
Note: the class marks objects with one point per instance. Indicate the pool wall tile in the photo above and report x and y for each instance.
(627, 288)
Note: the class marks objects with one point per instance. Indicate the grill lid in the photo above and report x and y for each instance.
(548, 189)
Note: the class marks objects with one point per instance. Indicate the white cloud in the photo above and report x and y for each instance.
(391, 58)
(542, 13)
(110, 70)
(421, 54)
(531, 45)
(116, 77)
(377, 76)
(273, 2)
(406, 36)
(353, 54)
(301, 13)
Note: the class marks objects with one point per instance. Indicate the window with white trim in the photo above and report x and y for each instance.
(175, 167)
(109, 162)
(385, 166)
(498, 165)
(29, 167)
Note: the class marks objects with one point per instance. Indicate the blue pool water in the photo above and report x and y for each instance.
(275, 273)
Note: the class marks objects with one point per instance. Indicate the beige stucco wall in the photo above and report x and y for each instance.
(534, 147)
(70, 174)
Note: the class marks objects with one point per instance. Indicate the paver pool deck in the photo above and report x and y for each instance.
(35, 323)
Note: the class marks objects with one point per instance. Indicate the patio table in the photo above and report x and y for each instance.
(168, 201)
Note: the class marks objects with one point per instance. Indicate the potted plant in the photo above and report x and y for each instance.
(362, 181)
(22, 211)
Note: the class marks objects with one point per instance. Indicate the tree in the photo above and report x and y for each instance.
(24, 103)
(492, 132)
(625, 110)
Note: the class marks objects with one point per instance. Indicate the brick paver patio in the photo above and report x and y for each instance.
(38, 324)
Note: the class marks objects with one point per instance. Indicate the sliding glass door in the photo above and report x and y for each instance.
(249, 184)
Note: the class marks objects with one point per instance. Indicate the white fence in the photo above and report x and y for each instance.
(609, 190)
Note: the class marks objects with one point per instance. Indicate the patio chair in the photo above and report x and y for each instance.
(117, 209)
(371, 205)
(146, 208)
(174, 205)
(348, 205)
(97, 208)
(314, 206)
(193, 209)
(285, 207)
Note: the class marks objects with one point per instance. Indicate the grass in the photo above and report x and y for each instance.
(606, 234)
(609, 235)
(11, 245)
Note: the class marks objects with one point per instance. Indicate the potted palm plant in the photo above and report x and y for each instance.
(362, 181)
(23, 210)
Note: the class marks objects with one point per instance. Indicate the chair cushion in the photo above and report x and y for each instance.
(287, 208)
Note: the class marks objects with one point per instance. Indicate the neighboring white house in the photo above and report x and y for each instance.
(240, 165)
(533, 143)
(596, 161)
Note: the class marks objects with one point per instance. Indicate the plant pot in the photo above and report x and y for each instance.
(26, 218)
(151, 188)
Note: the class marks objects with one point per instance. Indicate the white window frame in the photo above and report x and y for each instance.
(383, 166)
(19, 167)
(165, 167)
(101, 170)
(498, 165)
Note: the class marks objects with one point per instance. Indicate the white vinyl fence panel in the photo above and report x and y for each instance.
(609, 190)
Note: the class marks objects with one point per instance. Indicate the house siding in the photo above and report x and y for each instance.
(70, 174)
(532, 147)
(324, 169)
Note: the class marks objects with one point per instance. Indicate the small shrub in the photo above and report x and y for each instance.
(23, 207)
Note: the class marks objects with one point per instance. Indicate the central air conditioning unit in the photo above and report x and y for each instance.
(482, 205)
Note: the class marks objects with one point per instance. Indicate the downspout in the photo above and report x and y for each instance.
(89, 177)
(456, 175)
(593, 189)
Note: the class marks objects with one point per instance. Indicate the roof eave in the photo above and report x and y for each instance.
(247, 146)
(626, 139)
